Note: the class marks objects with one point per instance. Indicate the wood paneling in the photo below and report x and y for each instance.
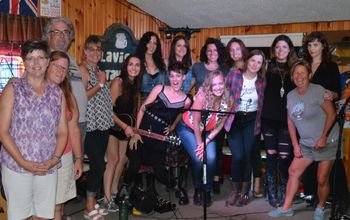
(94, 16)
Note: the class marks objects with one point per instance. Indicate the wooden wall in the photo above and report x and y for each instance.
(94, 16)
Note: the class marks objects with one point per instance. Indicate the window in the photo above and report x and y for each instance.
(11, 64)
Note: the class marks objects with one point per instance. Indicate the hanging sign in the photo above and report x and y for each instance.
(118, 43)
(50, 8)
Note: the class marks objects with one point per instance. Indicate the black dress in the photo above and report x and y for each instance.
(124, 109)
(157, 116)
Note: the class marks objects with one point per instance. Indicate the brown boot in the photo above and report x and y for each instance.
(244, 196)
(234, 194)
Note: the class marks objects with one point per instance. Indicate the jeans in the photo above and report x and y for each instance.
(189, 142)
(241, 142)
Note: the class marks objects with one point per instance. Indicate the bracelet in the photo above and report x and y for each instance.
(126, 127)
(78, 158)
(56, 157)
(209, 139)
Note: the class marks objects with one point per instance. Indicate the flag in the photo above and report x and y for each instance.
(19, 7)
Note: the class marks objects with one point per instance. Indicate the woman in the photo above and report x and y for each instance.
(247, 90)
(99, 120)
(236, 53)
(150, 51)
(29, 153)
(177, 158)
(212, 57)
(70, 170)
(212, 96)
(324, 73)
(279, 152)
(125, 92)
(180, 51)
(312, 116)
(157, 115)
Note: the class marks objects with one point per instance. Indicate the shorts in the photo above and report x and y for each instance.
(28, 195)
(326, 153)
(66, 188)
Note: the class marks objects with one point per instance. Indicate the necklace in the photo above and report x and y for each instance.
(282, 75)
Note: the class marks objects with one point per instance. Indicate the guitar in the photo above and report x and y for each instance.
(171, 139)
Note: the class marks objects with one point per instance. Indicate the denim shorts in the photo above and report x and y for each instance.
(326, 153)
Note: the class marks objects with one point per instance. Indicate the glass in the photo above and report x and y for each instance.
(32, 60)
(59, 32)
(59, 67)
(94, 49)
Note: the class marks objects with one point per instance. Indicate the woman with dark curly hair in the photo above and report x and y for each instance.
(150, 51)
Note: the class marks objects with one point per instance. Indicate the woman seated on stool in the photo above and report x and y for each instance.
(312, 116)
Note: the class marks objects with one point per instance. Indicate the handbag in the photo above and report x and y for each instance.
(117, 131)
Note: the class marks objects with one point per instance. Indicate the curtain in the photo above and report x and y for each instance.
(17, 29)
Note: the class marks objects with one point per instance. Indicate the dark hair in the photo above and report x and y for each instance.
(292, 56)
(229, 61)
(262, 71)
(300, 62)
(30, 45)
(178, 67)
(220, 48)
(64, 20)
(187, 59)
(157, 55)
(316, 36)
(127, 87)
(94, 39)
(65, 85)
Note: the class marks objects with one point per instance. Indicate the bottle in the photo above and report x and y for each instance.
(123, 210)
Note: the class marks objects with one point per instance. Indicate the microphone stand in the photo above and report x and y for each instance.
(204, 116)
(340, 119)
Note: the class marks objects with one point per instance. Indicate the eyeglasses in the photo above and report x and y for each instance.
(32, 60)
(92, 49)
(59, 67)
(59, 32)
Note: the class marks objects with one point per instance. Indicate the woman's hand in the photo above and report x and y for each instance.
(328, 95)
(321, 142)
(199, 151)
(134, 140)
(78, 168)
(101, 77)
(168, 130)
(297, 151)
(37, 169)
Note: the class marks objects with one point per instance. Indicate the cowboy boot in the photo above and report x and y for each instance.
(234, 194)
(244, 196)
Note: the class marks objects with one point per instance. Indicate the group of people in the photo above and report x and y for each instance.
(60, 111)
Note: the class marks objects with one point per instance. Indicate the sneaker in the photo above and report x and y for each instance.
(279, 212)
(319, 214)
(112, 207)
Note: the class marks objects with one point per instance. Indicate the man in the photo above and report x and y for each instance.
(59, 33)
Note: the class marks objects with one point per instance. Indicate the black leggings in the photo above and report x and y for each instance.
(95, 148)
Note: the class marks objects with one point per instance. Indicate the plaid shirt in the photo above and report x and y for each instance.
(234, 80)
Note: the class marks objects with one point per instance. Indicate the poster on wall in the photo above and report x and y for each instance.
(50, 8)
(118, 43)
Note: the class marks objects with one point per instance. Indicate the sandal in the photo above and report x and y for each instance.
(93, 215)
(101, 210)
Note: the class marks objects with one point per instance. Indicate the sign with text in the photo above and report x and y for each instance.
(50, 8)
(117, 44)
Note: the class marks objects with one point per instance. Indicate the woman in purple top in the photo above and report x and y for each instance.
(33, 131)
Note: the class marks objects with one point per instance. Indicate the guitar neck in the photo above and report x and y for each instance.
(150, 134)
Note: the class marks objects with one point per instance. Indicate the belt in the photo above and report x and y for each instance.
(244, 114)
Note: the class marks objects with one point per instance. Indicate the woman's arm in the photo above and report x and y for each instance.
(328, 108)
(74, 136)
(293, 136)
(62, 135)
(86, 76)
(7, 100)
